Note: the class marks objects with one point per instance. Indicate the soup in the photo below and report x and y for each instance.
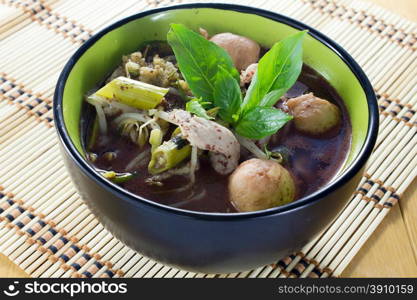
(192, 152)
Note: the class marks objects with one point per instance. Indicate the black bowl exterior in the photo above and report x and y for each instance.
(213, 243)
(207, 245)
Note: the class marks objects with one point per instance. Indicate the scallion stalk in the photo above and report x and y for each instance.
(134, 93)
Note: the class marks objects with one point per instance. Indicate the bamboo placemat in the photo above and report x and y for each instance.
(46, 229)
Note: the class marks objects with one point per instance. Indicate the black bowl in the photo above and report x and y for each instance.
(210, 242)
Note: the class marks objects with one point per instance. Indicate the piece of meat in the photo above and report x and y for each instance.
(208, 135)
(242, 50)
(204, 33)
(247, 74)
(178, 116)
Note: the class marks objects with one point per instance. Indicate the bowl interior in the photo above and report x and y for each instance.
(104, 54)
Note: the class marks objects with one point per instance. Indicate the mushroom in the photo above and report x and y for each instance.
(313, 115)
(242, 50)
(259, 184)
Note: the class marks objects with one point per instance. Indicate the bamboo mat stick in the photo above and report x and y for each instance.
(88, 238)
(58, 5)
(379, 70)
(20, 244)
(151, 274)
(359, 243)
(331, 244)
(47, 259)
(96, 246)
(120, 260)
(19, 139)
(46, 44)
(383, 152)
(91, 266)
(387, 84)
(54, 261)
(369, 45)
(299, 257)
(164, 272)
(180, 274)
(27, 257)
(34, 168)
(357, 222)
(58, 210)
(404, 95)
(29, 155)
(67, 225)
(34, 203)
(82, 236)
(93, 244)
(127, 263)
(364, 226)
(142, 265)
(24, 190)
(20, 115)
(319, 253)
(18, 39)
(11, 17)
(29, 70)
(15, 128)
(7, 111)
(391, 126)
(109, 256)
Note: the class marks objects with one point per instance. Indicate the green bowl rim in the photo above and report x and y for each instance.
(348, 174)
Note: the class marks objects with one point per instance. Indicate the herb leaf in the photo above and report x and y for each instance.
(271, 98)
(195, 107)
(199, 60)
(227, 96)
(277, 71)
(259, 122)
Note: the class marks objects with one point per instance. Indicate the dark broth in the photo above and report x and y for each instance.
(313, 161)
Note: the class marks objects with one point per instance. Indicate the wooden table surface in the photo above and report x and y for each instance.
(392, 249)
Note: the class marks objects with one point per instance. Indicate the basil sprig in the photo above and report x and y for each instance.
(210, 74)
(227, 96)
(196, 106)
(278, 70)
(199, 60)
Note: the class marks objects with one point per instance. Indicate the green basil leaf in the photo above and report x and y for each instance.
(277, 70)
(199, 60)
(227, 95)
(195, 107)
(260, 122)
(271, 98)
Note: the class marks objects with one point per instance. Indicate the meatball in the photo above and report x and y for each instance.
(260, 184)
(313, 115)
(242, 50)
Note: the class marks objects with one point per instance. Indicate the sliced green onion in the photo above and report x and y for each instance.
(168, 155)
(117, 177)
(177, 131)
(133, 93)
(155, 138)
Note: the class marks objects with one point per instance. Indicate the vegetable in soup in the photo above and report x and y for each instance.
(217, 124)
